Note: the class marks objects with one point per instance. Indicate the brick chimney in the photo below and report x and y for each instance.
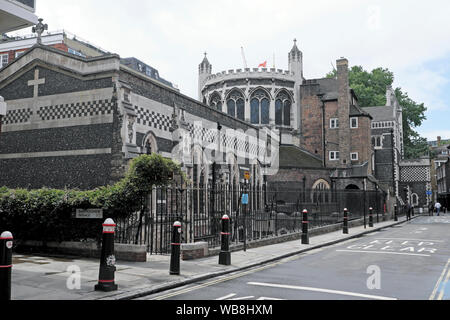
(343, 111)
(439, 141)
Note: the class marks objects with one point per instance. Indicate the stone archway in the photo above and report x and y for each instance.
(352, 187)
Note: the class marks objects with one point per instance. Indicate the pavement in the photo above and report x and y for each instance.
(62, 278)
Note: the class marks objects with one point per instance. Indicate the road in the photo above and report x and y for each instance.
(406, 262)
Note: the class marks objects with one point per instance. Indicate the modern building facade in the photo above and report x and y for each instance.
(14, 15)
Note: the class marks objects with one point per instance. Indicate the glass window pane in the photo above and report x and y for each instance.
(278, 113)
(265, 106)
(287, 113)
(231, 108)
(241, 109)
(254, 111)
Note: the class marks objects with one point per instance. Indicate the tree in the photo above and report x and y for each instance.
(370, 88)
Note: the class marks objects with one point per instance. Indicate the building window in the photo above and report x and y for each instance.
(236, 105)
(3, 60)
(377, 142)
(334, 155)
(216, 101)
(259, 107)
(283, 106)
(321, 192)
(354, 156)
(354, 123)
(334, 123)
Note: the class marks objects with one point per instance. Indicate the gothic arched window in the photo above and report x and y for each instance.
(216, 101)
(283, 106)
(236, 105)
(259, 107)
(320, 192)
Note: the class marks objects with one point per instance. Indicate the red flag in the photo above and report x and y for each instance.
(264, 65)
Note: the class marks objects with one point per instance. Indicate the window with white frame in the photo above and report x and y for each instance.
(334, 123)
(334, 155)
(3, 60)
(377, 142)
(354, 156)
(354, 123)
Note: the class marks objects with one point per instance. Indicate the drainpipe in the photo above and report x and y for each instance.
(323, 130)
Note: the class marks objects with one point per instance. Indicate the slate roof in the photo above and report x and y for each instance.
(294, 157)
(383, 113)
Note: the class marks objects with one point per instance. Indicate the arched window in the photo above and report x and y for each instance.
(320, 192)
(150, 145)
(283, 106)
(216, 101)
(259, 107)
(415, 199)
(236, 105)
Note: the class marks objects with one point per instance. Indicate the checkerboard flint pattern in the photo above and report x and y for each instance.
(76, 110)
(153, 119)
(17, 116)
(414, 174)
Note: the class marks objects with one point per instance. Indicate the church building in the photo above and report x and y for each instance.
(75, 122)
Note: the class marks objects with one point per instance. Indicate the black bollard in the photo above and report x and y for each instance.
(107, 259)
(6, 244)
(371, 217)
(345, 221)
(395, 213)
(305, 236)
(176, 247)
(225, 254)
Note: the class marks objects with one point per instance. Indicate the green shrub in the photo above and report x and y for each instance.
(45, 214)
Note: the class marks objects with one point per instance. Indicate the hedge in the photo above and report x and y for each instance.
(45, 214)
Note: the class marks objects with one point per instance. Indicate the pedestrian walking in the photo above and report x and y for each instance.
(431, 209)
(438, 207)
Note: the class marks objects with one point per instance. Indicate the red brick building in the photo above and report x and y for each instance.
(337, 130)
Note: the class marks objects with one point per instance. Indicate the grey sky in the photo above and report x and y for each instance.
(411, 38)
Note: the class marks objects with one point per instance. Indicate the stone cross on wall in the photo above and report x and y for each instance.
(36, 82)
(39, 29)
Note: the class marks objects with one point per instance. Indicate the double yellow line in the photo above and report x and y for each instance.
(441, 283)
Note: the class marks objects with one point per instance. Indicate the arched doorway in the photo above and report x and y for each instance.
(352, 187)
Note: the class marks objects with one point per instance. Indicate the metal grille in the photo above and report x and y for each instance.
(269, 213)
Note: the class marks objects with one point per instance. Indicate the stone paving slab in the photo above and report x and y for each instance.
(45, 278)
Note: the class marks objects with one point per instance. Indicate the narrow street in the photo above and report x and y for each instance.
(407, 262)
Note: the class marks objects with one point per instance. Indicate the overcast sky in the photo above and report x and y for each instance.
(411, 38)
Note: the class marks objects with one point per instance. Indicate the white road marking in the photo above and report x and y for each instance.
(387, 252)
(346, 293)
(411, 239)
(227, 296)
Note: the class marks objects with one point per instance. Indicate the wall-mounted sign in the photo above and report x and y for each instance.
(245, 198)
(88, 214)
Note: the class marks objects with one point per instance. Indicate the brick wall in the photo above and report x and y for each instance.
(360, 141)
(311, 120)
